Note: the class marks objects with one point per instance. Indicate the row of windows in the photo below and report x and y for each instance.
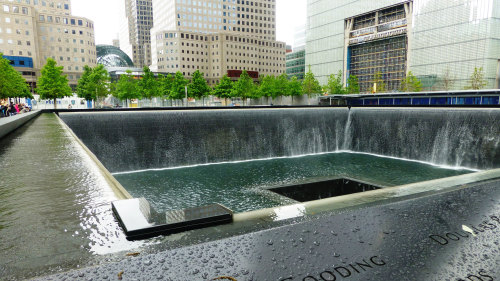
(68, 21)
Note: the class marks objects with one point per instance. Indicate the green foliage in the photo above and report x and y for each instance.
(177, 91)
(411, 83)
(148, 86)
(244, 88)
(477, 81)
(224, 88)
(310, 85)
(53, 84)
(281, 85)
(267, 87)
(334, 85)
(198, 87)
(126, 87)
(380, 83)
(83, 89)
(94, 83)
(294, 87)
(352, 85)
(12, 83)
(165, 84)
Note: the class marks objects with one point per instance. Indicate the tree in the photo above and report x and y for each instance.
(165, 84)
(352, 85)
(334, 85)
(294, 88)
(148, 86)
(447, 80)
(94, 83)
(53, 84)
(411, 83)
(12, 83)
(244, 87)
(100, 79)
(177, 91)
(379, 82)
(198, 88)
(83, 89)
(267, 87)
(477, 81)
(126, 87)
(223, 88)
(310, 85)
(281, 85)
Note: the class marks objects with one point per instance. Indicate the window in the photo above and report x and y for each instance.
(6, 8)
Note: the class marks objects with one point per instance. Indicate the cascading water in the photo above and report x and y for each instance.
(128, 141)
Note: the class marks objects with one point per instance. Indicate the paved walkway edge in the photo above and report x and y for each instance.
(9, 124)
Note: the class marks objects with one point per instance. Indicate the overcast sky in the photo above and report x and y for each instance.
(106, 15)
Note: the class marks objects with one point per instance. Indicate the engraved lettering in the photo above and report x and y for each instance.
(345, 270)
(439, 239)
(483, 274)
(452, 236)
(309, 278)
(354, 268)
(329, 274)
(380, 262)
(365, 264)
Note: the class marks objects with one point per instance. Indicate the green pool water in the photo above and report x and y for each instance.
(241, 186)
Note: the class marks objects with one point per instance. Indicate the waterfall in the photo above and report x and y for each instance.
(128, 141)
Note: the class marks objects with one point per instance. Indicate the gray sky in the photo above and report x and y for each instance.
(106, 15)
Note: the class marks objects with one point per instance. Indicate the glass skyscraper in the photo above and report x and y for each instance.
(439, 41)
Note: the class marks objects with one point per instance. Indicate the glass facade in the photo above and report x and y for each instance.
(296, 64)
(111, 56)
(446, 39)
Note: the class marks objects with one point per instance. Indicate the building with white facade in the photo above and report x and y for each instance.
(216, 37)
(33, 30)
(438, 40)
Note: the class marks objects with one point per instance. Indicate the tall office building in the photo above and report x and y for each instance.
(217, 37)
(296, 60)
(33, 30)
(439, 41)
(135, 34)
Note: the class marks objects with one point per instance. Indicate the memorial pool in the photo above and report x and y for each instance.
(241, 186)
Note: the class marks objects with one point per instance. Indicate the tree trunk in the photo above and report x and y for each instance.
(55, 103)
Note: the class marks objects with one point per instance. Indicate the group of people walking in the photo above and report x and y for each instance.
(10, 109)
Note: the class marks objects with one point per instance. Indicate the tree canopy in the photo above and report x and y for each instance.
(12, 83)
(310, 85)
(179, 83)
(148, 86)
(477, 81)
(223, 88)
(126, 87)
(94, 83)
(352, 85)
(411, 83)
(294, 87)
(244, 88)
(334, 85)
(53, 84)
(198, 87)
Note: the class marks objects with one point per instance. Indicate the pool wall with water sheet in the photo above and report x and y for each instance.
(131, 141)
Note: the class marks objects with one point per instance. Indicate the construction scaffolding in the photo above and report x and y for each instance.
(386, 58)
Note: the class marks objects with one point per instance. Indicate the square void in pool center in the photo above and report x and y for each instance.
(316, 190)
